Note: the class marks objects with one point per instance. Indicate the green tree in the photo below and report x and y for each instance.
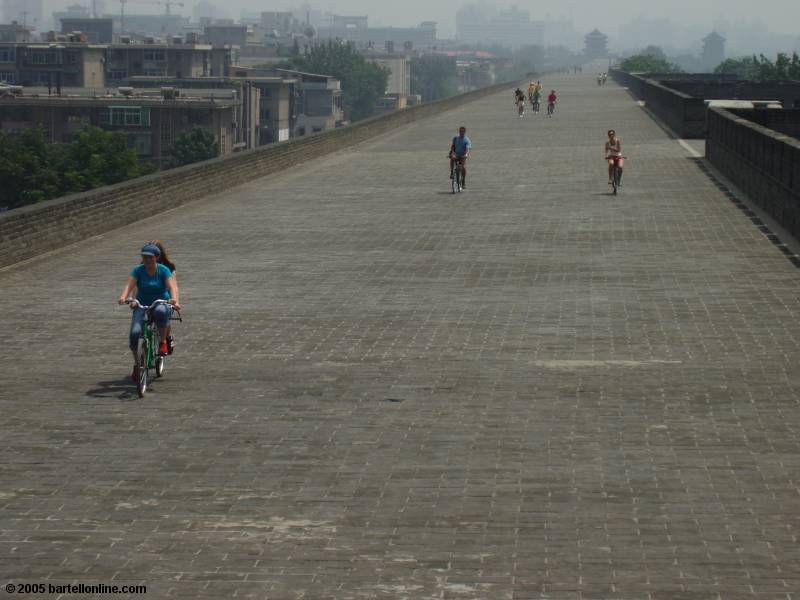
(193, 146)
(760, 68)
(648, 63)
(95, 157)
(743, 68)
(433, 77)
(363, 82)
(32, 169)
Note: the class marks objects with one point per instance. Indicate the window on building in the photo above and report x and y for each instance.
(129, 116)
(117, 74)
(265, 114)
(8, 55)
(142, 143)
(154, 73)
(72, 58)
(44, 57)
(155, 55)
(43, 78)
(8, 76)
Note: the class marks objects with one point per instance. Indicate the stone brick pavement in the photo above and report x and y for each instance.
(531, 390)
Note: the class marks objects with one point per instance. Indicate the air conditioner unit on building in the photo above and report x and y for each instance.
(170, 93)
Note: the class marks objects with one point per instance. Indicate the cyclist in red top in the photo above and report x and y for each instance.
(551, 103)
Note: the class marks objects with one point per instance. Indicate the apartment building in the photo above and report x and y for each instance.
(151, 122)
(53, 64)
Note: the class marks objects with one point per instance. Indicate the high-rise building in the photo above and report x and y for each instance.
(484, 24)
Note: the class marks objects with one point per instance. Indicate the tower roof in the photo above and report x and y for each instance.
(713, 37)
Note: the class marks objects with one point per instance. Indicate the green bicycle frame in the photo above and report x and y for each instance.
(148, 342)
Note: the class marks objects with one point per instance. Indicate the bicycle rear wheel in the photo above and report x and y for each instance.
(159, 366)
(615, 179)
(454, 180)
(158, 360)
(141, 367)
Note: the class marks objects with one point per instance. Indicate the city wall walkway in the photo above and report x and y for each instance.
(530, 390)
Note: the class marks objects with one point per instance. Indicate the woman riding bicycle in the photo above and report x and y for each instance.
(163, 259)
(152, 281)
(614, 156)
(519, 101)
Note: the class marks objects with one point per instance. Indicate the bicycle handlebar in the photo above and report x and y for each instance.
(134, 303)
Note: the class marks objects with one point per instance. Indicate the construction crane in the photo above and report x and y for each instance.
(168, 4)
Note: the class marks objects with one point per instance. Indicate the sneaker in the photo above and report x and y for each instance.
(162, 348)
(463, 186)
(170, 344)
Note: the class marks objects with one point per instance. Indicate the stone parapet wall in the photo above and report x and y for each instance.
(786, 121)
(32, 230)
(763, 163)
(684, 114)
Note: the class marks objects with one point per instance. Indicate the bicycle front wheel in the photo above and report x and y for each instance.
(141, 367)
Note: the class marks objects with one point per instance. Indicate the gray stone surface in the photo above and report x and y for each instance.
(531, 390)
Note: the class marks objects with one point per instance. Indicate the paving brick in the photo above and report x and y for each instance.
(529, 390)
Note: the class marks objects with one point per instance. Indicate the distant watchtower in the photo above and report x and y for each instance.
(713, 50)
(596, 44)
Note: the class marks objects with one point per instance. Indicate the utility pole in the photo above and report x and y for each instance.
(24, 25)
(122, 16)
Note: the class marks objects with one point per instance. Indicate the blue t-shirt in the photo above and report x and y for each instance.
(461, 145)
(149, 289)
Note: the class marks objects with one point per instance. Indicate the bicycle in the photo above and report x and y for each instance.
(535, 106)
(147, 356)
(616, 173)
(457, 176)
(551, 108)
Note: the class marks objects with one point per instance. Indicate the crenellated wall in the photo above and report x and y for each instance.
(763, 163)
(684, 114)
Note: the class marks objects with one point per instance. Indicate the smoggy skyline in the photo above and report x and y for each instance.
(774, 16)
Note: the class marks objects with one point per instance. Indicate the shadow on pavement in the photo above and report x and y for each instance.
(122, 389)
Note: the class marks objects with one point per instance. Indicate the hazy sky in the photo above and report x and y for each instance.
(782, 16)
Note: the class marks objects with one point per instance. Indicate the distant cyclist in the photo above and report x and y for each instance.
(551, 103)
(459, 152)
(614, 156)
(536, 98)
(519, 101)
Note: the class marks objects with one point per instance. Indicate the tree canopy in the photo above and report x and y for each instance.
(363, 81)
(193, 146)
(760, 68)
(651, 60)
(433, 77)
(33, 170)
